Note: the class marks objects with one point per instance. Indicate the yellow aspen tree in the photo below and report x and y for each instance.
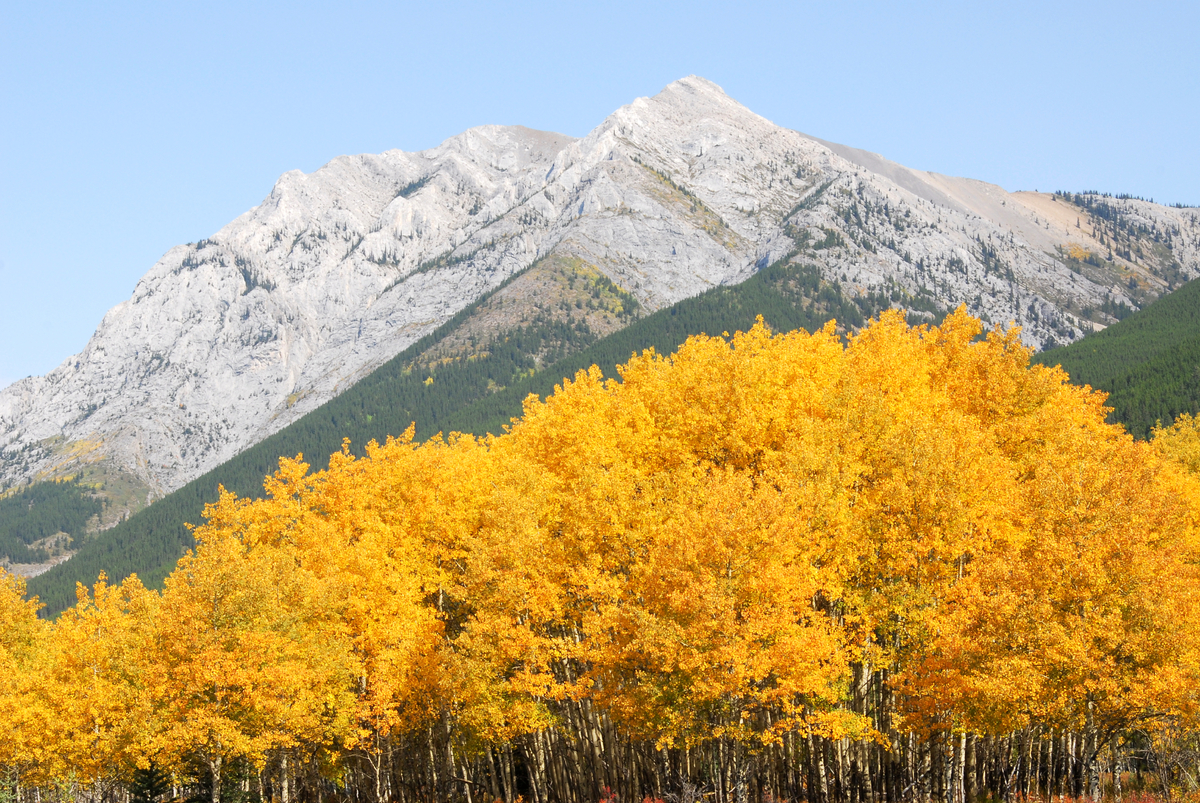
(927, 488)
(759, 560)
(1180, 441)
(663, 493)
(23, 637)
(238, 667)
(90, 681)
(1081, 617)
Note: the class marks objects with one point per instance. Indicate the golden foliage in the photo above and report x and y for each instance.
(715, 546)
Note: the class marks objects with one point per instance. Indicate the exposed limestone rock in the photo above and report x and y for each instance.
(227, 340)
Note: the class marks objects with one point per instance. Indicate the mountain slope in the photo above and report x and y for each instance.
(464, 395)
(226, 341)
(1149, 363)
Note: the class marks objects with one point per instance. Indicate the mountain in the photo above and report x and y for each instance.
(229, 340)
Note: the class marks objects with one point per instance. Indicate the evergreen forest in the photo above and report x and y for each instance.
(30, 517)
(1148, 363)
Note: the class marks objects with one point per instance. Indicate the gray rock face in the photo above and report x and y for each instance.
(227, 340)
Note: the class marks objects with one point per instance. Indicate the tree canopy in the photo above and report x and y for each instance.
(782, 565)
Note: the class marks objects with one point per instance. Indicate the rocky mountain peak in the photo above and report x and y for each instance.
(226, 340)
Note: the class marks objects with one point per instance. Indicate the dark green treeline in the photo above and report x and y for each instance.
(1149, 363)
(31, 516)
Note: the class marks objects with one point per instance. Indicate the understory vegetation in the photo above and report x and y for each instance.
(902, 565)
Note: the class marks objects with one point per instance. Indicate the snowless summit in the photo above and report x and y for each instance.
(227, 340)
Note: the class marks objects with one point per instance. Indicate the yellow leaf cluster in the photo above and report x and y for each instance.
(723, 544)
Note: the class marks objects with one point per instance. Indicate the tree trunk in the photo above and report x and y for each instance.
(969, 780)
(214, 767)
(1091, 752)
(1116, 772)
(817, 746)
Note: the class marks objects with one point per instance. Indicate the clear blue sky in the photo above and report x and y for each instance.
(128, 128)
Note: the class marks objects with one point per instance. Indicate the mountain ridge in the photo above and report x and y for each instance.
(228, 340)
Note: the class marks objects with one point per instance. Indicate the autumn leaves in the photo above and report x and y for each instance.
(729, 546)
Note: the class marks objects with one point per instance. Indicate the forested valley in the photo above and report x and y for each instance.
(904, 564)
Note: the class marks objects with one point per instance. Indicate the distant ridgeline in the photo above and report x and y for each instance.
(31, 517)
(476, 395)
(1149, 362)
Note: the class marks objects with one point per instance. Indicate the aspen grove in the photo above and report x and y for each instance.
(903, 566)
